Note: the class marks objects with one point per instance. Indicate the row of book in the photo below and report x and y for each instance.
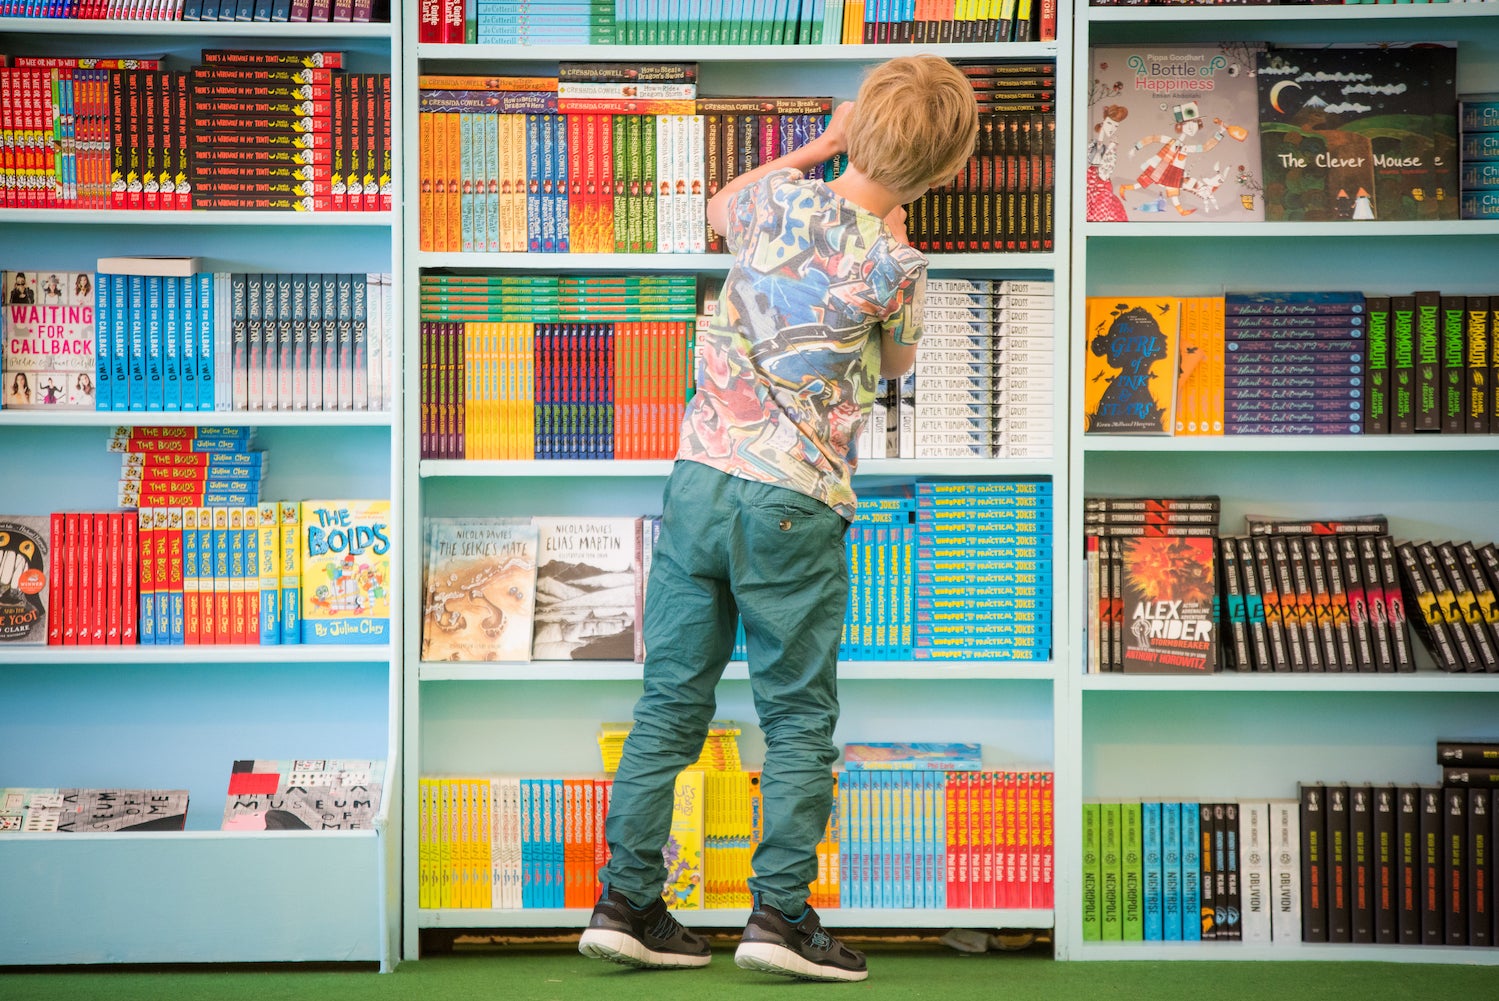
(715, 22)
(1478, 169)
(312, 794)
(242, 129)
(894, 839)
(937, 571)
(294, 11)
(158, 334)
(1245, 132)
(1292, 363)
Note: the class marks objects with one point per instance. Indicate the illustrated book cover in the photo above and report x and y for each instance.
(24, 570)
(1130, 385)
(480, 589)
(1170, 617)
(683, 851)
(1173, 134)
(308, 794)
(345, 564)
(587, 588)
(1352, 132)
(883, 756)
(48, 326)
(92, 811)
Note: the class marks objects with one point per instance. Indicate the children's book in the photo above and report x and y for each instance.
(92, 811)
(683, 852)
(48, 326)
(312, 794)
(480, 590)
(882, 756)
(345, 569)
(1131, 365)
(24, 570)
(1169, 605)
(1359, 132)
(1173, 134)
(586, 588)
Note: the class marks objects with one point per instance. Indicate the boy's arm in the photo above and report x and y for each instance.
(896, 357)
(826, 146)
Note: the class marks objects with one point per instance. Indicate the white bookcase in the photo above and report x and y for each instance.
(178, 717)
(542, 718)
(1232, 736)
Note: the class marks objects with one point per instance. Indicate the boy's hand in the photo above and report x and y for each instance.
(896, 222)
(836, 134)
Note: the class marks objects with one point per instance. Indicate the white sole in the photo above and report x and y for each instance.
(617, 947)
(767, 957)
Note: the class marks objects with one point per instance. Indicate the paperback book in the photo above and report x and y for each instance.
(587, 588)
(24, 569)
(309, 794)
(481, 589)
(1130, 369)
(345, 569)
(48, 326)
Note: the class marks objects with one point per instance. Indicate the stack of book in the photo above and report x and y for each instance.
(879, 623)
(91, 811)
(1451, 587)
(720, 749)
(1478, 152)
(295, 11)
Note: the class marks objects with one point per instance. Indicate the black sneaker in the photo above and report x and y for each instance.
(649, 939)
(805, 950)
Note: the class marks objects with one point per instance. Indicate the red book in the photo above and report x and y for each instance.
(56, 591)
(606, 182)
(129, 559)
(99, 595)
(453, 22)
(1042, 893)
(115, 545)
(72, 553)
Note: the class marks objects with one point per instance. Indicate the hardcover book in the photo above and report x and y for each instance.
(1359, 132)
(345, 570)
(1170, 617)
(480, 590)
(25, 565)
(912, 756)
(1131, 366)
(309, 794)
(48, 326)
(1174, 134)
(587, 588)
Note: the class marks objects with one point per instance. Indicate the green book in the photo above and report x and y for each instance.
(1111, 872)
(1092, 871)
(1132, 873)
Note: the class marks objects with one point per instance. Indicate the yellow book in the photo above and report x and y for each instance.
(426, 843)
(269, 571)
(346, 573)
(1130, 365)
(290, 572)
(684, 845)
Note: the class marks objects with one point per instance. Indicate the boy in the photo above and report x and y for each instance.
(823, 298)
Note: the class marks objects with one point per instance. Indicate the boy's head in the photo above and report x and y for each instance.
(913, 125)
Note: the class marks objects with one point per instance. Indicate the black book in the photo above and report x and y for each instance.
(1339, 866)
(1377, 399)
(1362, 871)
(1430, 625)
(1465, 609)
(1443, 589)
(1450, 395)
(1433, 909)
(1313, 862)
(1477, 392)
(1467, 775)
(1208, 861)
(1358, 603)
(1322, 615)
(1389, 572)
(1402, 364)
(1379, 614)
(1280, 654)
(1480, 874)
(1428, 413)
(1233, 905)
(1279, 559)
(1454, 864)
(1254, 606)
(1408, 849)
(1385, 866)
(1485, 604)
(1337, 601)
(1477, 753)
(1236, 639)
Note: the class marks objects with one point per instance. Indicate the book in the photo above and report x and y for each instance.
(912, 756)
(1130, 383)
(92, 811)
(1170, 618)
(48, 326)
(480, 589)
(26, 569)
(345, 568)
(587, 586)
(1192, 110)
(306, 794)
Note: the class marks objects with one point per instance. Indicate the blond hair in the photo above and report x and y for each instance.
(914, 124)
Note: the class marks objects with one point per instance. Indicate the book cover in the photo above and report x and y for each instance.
(901, 755)
(1130, 373)
(48, 328)
(683, 851)
(98, 811)
(25, 565)
(1169, 605)
(586, 572)
(312, 794)
(1359, 132)
(480, 590)
(1174, 134)
(344, 550)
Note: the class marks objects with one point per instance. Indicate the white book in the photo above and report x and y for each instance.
(164, 267)
(681, 178)
(665, 158)
(1255, 899)
(697, 184)
(1285, 871)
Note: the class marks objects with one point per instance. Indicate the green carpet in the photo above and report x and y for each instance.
(904, 972)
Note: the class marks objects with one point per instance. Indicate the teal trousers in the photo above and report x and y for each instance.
(732, 547)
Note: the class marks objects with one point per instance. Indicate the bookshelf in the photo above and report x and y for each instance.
(541, 718)
(1234, 735)
(178, 717)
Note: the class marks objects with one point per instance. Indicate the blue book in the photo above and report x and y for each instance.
(118, 333)
(244, 10)
(187, 306)
(204, 301)
(527, 845)
(171, 339)
(1171, 875)
(137, 332)
(1150, 828)
(146, 597)
(155, 348)
(103, 345)
(1191, 873)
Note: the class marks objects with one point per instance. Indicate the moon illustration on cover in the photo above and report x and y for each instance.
(1275, 94)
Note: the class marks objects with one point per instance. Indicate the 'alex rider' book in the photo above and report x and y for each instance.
(1169, 614)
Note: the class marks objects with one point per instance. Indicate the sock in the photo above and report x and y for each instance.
(798, 918)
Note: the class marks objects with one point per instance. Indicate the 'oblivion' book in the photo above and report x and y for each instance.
(481, 589)
(345, 553)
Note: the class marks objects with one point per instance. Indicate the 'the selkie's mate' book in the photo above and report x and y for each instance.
(1359, 132)
(480, 589)
(1169, 617)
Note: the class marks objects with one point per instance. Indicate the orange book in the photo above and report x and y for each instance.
(1018, 884)
(251, 536)
(239, 606)
(454, 170)
(435, 167)
(576, 160)
(605, 244)
(192, 605)
(426, 139)
(438, 81)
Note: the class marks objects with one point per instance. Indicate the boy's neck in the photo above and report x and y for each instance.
(855, 186)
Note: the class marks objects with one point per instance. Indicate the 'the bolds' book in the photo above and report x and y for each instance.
(346, 571)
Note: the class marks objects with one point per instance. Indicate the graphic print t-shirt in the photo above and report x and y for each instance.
(787, 368)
